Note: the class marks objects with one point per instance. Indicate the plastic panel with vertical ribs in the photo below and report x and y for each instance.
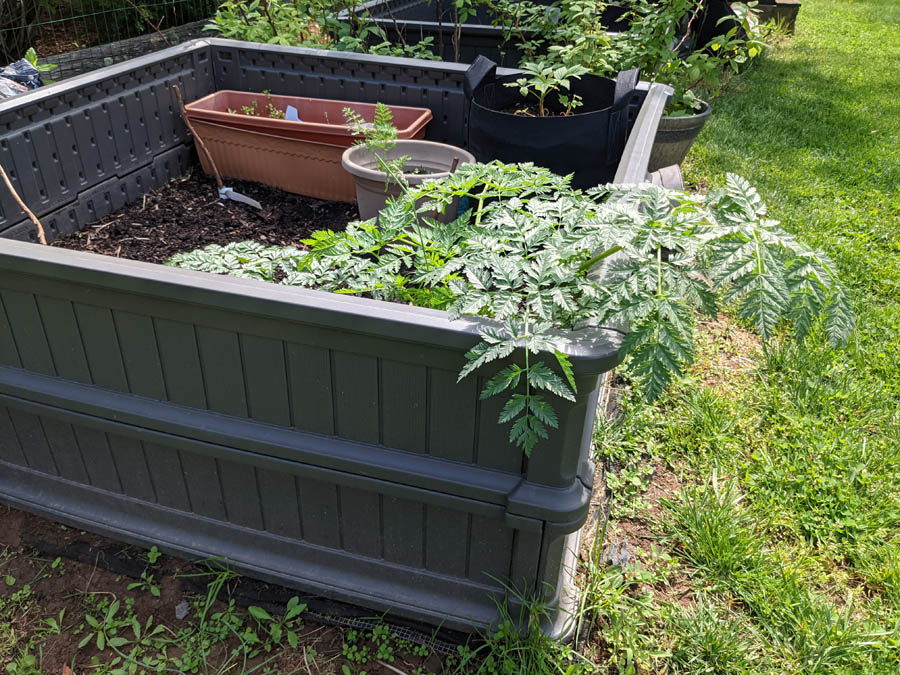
(104, 130)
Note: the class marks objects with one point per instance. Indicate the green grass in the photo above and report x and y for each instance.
(786, 522)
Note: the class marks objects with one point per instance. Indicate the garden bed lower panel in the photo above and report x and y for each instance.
(314, 440)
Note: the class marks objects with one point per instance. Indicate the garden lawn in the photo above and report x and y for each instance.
(760, 499)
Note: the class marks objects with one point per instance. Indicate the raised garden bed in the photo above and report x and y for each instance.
(314, 440)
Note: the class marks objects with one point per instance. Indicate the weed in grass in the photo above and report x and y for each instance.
(714, 533)
(718, 536)
(700, 427)
(710, 640)
(525, 650)
(620, 616)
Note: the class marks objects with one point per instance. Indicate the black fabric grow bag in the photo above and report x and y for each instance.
(588, 144)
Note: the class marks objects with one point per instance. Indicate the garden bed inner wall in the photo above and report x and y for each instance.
(410, 21)
(82, 148)
(314, 440)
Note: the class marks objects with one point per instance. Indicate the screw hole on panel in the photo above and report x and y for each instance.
(34, 165)
(146, 146)
(27, 136)
(106, 198)
(80, 176)
(43, 193)
(115, 159)
(131, 152)
(99, 167)
(4, 145)
(62, 184)
(55, 157)
(75, 148)
(109, 134)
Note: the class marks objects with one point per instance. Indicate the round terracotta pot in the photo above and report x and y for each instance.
(674, 138)
(372, 189)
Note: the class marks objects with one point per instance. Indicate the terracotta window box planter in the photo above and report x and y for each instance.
(301, 157)
(321, 119)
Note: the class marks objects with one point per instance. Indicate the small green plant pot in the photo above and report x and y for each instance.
(427, 160)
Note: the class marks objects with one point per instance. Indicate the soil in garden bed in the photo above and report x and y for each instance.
(187, 214)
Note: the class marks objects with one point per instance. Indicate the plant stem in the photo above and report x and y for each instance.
(587, 265)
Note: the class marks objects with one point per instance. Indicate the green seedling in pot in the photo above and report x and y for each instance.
(541, 80)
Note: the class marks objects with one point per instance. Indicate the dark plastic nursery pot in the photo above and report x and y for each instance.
(587, 143)
(675, 136)
(427, 161)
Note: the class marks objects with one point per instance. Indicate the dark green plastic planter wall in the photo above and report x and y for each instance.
(315, 440)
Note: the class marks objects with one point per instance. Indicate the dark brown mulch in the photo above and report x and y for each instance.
(187, 214)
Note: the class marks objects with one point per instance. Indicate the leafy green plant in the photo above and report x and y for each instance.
(147, 583)
(535, 258)
(309, 23)
(379, 137)
(105, 630)
(153, 555)
(278, 630)
(543, 79)
(32, 58)
(519, 645)
(653, 44)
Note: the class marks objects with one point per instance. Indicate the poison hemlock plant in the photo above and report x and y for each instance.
(526, 258)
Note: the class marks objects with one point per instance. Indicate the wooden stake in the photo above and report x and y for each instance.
(37, 224)
(197, 137)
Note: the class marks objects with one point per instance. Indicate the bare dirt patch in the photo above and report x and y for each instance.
(47, 568)
(727, 353)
